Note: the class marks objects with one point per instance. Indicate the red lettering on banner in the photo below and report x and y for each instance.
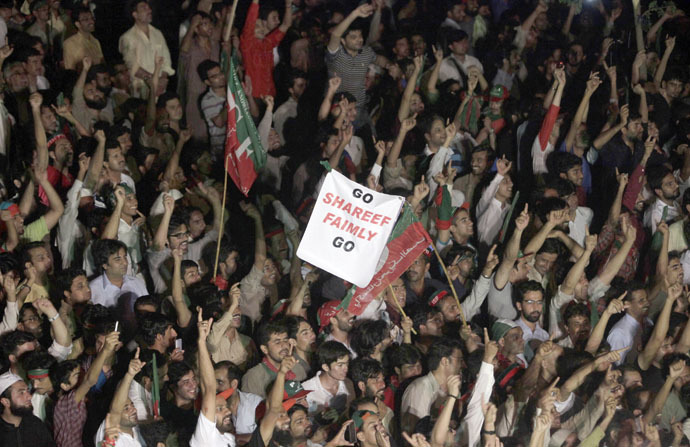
(357, 212)
(329, 216)
(327, 198)
(372, 234)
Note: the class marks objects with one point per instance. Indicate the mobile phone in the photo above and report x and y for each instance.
(117, 325)
(178, 344)
(351, 434)
(60, 100)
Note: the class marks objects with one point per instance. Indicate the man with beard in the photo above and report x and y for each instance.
(482, 158)
(529, 301)
(337, 323)
(123, 413)
(418, 287)
(215, 424)
(367, 377)
(444, 359)
(18, 426)
(157, 333)
(620, 150)
(243, 405)
(663, 184)
(179, 411)
(88, 102)
(275, 345)
(83, 43)
(304, 338)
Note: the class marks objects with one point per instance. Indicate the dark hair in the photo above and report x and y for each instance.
(155, 432)
(178, 218)
(234, 373)
(363, 368)
(655, 176)
(420, 314)
(362, 400)
(164, 98)
(132, 6)
(670, 360)
(550, 245)
(429, 122)
(60, 372)
(204, 67)
(295, 74)
(358, 24)
(561, 162)
(633, 398)
(177, 370)
(330, 352)
(268, 329)
(455, 35)
(574, 309)
(563, 187)
(152, 325)
(97, 320)
(102, 249)
(549, 204)
(10, 341)
(208, 253)
(292, 323)
(404, 354)
(367, 335)
(441, 348)
(674, 73)
(25, 256)
(64, 280)
(633, 286)
(147, 355)
(522, 288)
(37, 360)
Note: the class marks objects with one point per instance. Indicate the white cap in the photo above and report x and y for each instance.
(7, 380)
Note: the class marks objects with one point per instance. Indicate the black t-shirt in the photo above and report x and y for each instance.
(31, 432)
(183, 420)
(256, 440)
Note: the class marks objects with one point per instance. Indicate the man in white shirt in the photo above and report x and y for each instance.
(298, 83)
(627, 332)
(529, 301)
(663, 184)
(458, 63)
(330, 387)
(444, 359)
(494, 203)
(114, 285)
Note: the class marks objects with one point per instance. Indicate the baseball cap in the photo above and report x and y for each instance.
(327, 311)
(500, 328)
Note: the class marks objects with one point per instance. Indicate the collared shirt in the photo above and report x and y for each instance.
(490, 213)
(320, 399)
(623, 335)
(352, 70)
(449, 67)
(420, 395)
(141, 398)
(353, 354)
(577, 228)
(288, 109)
(79, 46)
(211, 106)
(130, 236)
(68, 420)
(528, 334)
(109, 295)
(139, 50)
(653, 214)
(245, 419)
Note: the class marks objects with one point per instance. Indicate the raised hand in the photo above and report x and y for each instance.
(593, 83)
(36, 99)
(364, 10)
(45, 307)
(670, 43)
(135, 365)
(120, 195)
(288, 362)
(621, 178)
(490, 348)
(503, 166)
(270, 102)
(491, 262)
(560, 76)
(86, 63)
(408, 124)
(625, 113)
(333, 84)
(421, 190)
(203, 325)
(438, 53)
(112, 340)
(522, 220)
(100, 136)
(168, 203)
(676, 369)
(416, 440)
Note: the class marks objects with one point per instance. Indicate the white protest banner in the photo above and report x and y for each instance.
(348, 229)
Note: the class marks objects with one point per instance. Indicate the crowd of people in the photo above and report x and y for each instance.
(544, 146)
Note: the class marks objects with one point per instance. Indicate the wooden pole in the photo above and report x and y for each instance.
(397, 303)
(222, 216)
(452, 288)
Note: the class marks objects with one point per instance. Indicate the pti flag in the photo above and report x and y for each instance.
(244, 155)
(408, 240)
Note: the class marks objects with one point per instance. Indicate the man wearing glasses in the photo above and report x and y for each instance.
(529, 301)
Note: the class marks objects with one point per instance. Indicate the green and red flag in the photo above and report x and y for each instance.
(407, 241)
(244, 154)
(155, 391)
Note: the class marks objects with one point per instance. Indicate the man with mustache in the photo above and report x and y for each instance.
(529, 301)
(665, 187)
(16, 420)
(88, 102)
(367, 377)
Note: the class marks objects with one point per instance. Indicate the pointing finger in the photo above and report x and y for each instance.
(136, 356)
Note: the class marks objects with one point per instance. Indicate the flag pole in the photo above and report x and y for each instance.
(452, 287)
(222, 216)
(231, 21)
(397, 303)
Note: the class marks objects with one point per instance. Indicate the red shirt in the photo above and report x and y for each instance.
(257, 54)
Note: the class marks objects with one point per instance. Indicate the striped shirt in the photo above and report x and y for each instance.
(211, 106)
(352, 70)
